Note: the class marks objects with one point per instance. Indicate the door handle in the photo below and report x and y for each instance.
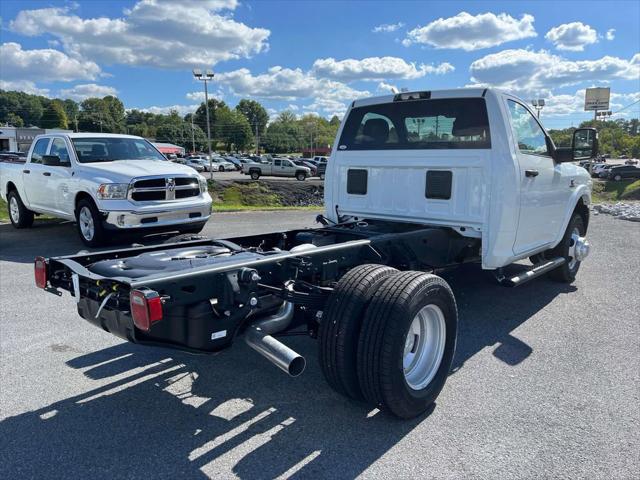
(46, 174)
(531, 173)
(26, 171)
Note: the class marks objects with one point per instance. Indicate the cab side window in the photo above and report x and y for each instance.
(39, 150)
(529, 135)
(59, 148)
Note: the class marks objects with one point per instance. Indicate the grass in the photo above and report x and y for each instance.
(610, 191)
(4, 212)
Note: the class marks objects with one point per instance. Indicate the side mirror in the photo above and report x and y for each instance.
(585, 144)
(51, 160)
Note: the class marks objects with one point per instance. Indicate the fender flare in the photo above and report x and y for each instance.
(581, 198)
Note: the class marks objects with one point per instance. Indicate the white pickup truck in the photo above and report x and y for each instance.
(104, 182)
(417, 183)
(276, 167)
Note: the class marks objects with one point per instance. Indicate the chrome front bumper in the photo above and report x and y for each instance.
(131, 219)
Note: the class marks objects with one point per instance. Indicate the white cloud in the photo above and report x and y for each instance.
(286, 84)
(611, 34)
(157, 33)
(181, 109)
(387, 88)
(388, 27)
(198, 96)
(23, 86)
(563, 105)
(472, 32)
(45, 65)
(375, 68)
(88, 90)
(572, 36)
(536, 73)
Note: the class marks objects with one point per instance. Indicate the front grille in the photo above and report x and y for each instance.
(164, 188)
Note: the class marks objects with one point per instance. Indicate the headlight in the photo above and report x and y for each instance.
(203, 185)
(113, 191)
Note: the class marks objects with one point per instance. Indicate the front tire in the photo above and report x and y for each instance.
(255, 175)
(617, 178)
(89, 224)
(407, 343)
(341, 324)
(21, 216)
(566, 273)
(301, 176)
(221, 169)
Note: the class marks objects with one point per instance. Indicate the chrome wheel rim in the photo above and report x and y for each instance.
(424, 347)
(85, 220)
(14, 211)
(575, 236)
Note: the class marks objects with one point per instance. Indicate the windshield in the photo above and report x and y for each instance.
(417, 124)
(110, 149)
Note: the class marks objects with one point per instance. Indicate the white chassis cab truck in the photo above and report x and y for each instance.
(417, 183)
(106, 183)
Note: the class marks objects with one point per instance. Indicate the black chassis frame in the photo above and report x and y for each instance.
(202, 300)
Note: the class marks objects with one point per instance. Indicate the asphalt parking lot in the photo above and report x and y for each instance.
(546, 384)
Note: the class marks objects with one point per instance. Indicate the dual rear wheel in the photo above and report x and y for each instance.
(388, 338)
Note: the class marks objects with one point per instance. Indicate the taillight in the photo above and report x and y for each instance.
(146, 308)
(40, 271)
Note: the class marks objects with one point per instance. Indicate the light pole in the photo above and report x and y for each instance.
(538, 104)
(205, 77)
(193, 136)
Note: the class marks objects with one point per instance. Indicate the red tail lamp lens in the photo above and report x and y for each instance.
(146, 308)
(40, 271)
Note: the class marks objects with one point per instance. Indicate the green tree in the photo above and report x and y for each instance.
(14, 120)
(255, 114)
(233, 130)
(200, 117)
(54, 116)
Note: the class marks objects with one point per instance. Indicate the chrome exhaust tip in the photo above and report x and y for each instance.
(258, 337)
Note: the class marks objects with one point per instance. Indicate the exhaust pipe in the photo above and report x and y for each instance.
(258, 336)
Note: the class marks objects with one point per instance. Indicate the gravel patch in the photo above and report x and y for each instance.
(620, 210)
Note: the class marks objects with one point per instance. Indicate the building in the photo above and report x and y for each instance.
(16, 139)
(316, 151)
(167, 148)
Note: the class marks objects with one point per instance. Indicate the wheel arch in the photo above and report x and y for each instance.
(82, 196)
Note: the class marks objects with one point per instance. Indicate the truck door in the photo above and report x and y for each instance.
(543, 195)
(58, 178)
(277, 168)
(33, 178)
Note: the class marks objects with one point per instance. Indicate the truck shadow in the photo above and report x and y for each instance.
(161, 413)
(52, 238)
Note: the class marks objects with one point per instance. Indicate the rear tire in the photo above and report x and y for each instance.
(567, 272)
(21, 216)
(340, 326)
(617, 178)
(407, 343)
(89, 224)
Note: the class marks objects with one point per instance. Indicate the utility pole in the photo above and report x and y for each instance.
(257, 141)
(205, 77)
(193, 136)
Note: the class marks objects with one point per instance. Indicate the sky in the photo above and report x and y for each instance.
(318, 56)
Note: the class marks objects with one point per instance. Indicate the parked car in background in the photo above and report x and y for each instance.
(278, 167)
(631, 161)
(302, 163)
(604, 171)
(623, 172)
(194, 163)
(13, 157)
(222, 164)
(235, 160)
(106, 183)
(597, 168)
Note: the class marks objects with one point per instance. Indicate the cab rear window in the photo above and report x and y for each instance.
(451, 123)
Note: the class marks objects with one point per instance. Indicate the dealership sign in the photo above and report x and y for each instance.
(597, 98)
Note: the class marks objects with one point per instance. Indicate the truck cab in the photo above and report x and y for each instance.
(474, 160)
